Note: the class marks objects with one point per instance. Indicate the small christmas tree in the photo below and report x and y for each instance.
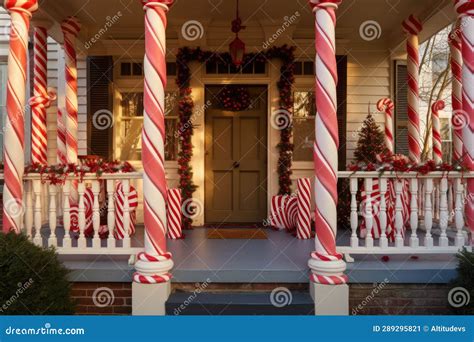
(371, 141)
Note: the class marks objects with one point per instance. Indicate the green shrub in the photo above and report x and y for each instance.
(465, 279)
(32, 279)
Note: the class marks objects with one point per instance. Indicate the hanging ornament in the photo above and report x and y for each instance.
(237, 46)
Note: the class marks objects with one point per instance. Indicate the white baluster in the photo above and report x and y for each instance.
(96, 214)
(436, 197)
(37, 212)
(383, 213)
(29, 210)
(53, 240)
(414, 213)
(369, 220)
(81, 243)
(458, 212)
(67, 214)
(110, 213)
(126, 213)
(398, 213)
(428, 212)
(354, 217)
(421, 208)
(451, 199)
(443, 211)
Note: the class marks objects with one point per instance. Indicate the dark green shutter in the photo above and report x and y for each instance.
(401, 109)
(342, 109)
(99, 97)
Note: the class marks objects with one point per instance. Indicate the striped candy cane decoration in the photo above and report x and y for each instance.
(153, 138)
(303, 224)
(412, 26)
(174, 214)
(61, 139)
(326, 148)
(436, 129)
(119, 197)
(465, 10)
(386, 105)
(13, 138)
(456, 92)
(42, 98)
(291, 213)
(277, 212)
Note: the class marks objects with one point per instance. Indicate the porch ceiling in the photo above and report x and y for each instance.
(351, 14)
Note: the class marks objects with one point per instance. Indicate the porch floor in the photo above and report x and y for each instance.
(279, 259)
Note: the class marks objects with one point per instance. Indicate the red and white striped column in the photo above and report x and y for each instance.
(436, 130)
(14, 133)
(71, 27)
(386, 106)
(456, 95)
(326, 264)
(412, 26)
(154, 264)
(42, 96)
(61, 137)
(465, 10)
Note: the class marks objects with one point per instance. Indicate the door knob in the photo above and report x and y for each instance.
(236, 164)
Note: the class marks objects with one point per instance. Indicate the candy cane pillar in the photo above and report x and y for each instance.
(14, 136)
(327, 282)
(42, 96)
(412, 26)
(436, 130)
(456, 94)
(465, 10)
(386, 105)
(151, 282)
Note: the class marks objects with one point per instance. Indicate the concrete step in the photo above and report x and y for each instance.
(283, 302)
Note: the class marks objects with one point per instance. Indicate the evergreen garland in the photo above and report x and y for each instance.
(186, 55)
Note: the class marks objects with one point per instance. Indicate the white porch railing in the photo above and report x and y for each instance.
(47, 214)
(435, 213)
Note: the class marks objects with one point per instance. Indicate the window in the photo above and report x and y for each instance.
(253, 67)
(131, 69)
(304, 68)
(304, 111)
(131, 123)
(3, 97)
(446, 138)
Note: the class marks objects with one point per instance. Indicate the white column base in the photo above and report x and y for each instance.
(150, 299)
(330, 299)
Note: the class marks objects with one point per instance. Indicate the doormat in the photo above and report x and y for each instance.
(237, 233)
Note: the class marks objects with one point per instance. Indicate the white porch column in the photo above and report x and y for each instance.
(328, 282)
(465, 10)
(42, 96)
(14, 130)
(151, 283)
(412, 26)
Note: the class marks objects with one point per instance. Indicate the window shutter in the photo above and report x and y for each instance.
(401, 109)
(342, 108)
(99, 97)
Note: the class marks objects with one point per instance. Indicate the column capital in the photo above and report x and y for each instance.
(412, 25)
(71, 25)
(318, 4)
(464, 7)
(166, 4)
(21, 6)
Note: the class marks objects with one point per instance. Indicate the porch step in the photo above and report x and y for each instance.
(239, 303)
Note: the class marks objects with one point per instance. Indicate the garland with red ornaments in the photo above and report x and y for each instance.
(186, 55)
(234, 98)
(58, 173)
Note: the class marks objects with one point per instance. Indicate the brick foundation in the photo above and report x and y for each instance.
(365, 299)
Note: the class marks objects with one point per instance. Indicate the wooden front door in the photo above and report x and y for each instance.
(236, 159)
